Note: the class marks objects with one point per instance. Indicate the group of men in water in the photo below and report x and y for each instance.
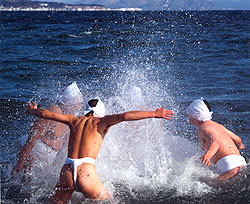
(87, 132)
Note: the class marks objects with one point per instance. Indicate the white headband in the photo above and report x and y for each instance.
(199, 110)
(71, 95)
(99, 110)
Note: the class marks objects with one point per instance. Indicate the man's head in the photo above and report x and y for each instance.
(71, 98)
(199, 110)
(95, 107)
(71, 95)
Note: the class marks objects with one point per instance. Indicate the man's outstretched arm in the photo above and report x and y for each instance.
(111, 120)
(46, 114)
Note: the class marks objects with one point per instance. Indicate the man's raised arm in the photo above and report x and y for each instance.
(46, 114)
(111, 120)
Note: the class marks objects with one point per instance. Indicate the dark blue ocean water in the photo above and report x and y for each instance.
(173, 57)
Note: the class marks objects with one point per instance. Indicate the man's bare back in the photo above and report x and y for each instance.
(86, 135)
(211, 131)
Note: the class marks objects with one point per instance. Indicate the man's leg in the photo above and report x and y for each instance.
(64, 187)
(229, 174)
(95, 190)
(62, 194)
(90, 185)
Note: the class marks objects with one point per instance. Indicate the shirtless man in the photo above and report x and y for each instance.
(219, 143)
(86, 135)
(46, 137)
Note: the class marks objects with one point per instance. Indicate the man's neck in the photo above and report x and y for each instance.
(200, 123)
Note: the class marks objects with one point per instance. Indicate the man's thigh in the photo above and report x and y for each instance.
(229, 174)
(65, 186)
(91, 186)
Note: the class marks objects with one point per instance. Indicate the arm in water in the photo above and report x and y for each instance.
(213, 148)
(35, 133)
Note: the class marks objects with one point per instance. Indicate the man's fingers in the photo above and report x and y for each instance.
(203, 162)
(206, 162)
(167, 118)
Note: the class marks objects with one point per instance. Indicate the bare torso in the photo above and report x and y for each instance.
(226, 144)
(85, 137)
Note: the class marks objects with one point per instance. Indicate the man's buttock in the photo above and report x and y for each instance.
(83, 168)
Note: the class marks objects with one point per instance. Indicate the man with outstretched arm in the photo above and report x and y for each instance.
(86, 135)
(220, 144)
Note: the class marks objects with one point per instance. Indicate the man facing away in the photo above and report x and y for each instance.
(86, 135)
(219, 143)
(46, 137)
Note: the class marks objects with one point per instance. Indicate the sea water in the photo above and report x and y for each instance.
(132, 61)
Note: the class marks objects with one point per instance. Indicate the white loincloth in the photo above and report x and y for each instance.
(77, 162)
(230, 162)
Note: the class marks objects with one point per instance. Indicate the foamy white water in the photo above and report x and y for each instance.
(147, 154)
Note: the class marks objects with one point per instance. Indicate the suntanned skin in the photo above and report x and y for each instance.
(218, 142)
(86, 136)
(48, 131)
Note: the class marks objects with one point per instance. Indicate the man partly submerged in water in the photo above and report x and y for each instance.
(46, 137)
(219, 143)
(86, 135)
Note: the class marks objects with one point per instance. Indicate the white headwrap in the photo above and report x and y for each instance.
(71, 95)
(199, 110)
(99, 110)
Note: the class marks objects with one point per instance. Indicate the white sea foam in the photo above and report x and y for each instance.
(147, 153)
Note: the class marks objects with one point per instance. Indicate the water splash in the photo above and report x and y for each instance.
(147, 154)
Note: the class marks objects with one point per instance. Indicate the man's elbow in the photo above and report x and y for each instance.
(125, 117)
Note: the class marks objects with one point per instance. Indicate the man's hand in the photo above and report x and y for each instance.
(241, 146)
(161, 113)
(30, 107)
(205, 160)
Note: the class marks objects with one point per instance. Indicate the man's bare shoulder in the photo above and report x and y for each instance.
(208, 128)
(110, 119)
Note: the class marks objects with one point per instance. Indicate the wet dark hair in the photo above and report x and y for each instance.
(207, 104)
(92, 103)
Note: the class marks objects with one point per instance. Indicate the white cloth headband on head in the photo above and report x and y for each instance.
(99, 110)
(199, 110)
(71, 95)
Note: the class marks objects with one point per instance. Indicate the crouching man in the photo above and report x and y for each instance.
(219, 143)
